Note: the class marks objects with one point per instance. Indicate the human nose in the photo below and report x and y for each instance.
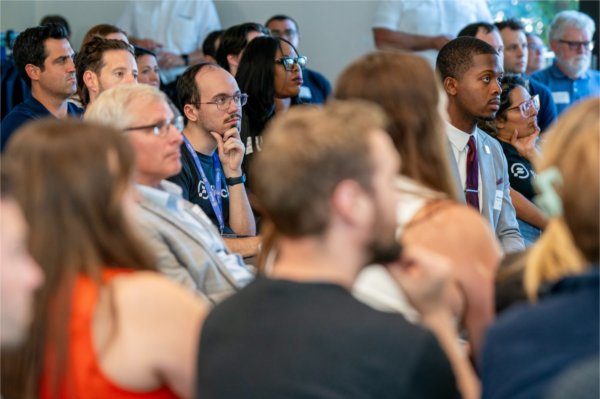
(131, 78)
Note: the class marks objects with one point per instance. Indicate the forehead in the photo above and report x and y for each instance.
(509, 35)
(57, 47)
(253, 34)
(492, 38)
(212, 81)
(575, 34)
(383, 152)
(485, 62)
(281, 24)
(145, 111)
(146, 59)
(286, 49)
(519, 94)
(12, 228)
(117, 58)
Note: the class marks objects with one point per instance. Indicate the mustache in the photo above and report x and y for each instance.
(232, 117)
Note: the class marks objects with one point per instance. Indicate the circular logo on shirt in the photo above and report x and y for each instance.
(519, 171)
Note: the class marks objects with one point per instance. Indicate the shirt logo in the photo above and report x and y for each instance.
(519, 171)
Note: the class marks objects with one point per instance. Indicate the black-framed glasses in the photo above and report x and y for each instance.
(223, 102)
(288, 62)
(576, 45)
(527, 106)
(161, 128)
(283, 33)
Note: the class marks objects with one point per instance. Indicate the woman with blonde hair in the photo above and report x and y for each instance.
(561, 279)
(105, 324)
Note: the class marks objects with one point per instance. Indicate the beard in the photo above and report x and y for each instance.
(577, 65)
(384, 247)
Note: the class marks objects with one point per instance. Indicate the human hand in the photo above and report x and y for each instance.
(526, 146)
(168, 60)
(231, 151)
(149, 44)
(437, 42)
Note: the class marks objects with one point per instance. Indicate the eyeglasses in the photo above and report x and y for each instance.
(527, 106)
(223, 102)
(284, 33)
(288, 62)
(576, 45)
(161, 129)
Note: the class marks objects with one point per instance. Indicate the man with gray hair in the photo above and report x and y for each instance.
(187, 246)
(569, 77)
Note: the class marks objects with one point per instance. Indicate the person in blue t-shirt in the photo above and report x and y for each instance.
(570, 78)
(44, 60)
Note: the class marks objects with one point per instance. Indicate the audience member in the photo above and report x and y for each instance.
(102, 64)
(210, 45)
(516, 129)
(174, 29)
(424, 27)
(531, 345)
(270, 69)
(470, 70)
(188, 247)
(315, 87)
(233, 42)
(106, 31)
(487, 32)
(570, 78)
(298, 332)
(20, 275)
(406, 87)
(536, 54)
(211, 176)
(104, 323)
(57, 20)
(515, 62)
(44, 60)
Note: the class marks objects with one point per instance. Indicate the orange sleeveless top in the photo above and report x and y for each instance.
(83, 378)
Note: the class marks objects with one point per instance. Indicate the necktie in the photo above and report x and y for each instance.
(472, 184)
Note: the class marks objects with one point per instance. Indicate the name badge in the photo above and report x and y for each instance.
(305, 92)
(498, 200)
(561, 97)
(487, 149)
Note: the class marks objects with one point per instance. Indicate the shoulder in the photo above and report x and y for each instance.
(540, 88)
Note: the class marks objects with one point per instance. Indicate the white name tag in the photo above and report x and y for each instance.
(305, 92)
(487, 149)
(561, 97)
(498, 200)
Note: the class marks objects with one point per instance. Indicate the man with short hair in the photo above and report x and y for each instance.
(187, 246)
(485, 31)
(470, 70)
(515, 62)
(233, 42)
(570, 78)
(102, 64)
(20, 275)
(212, 153)
(315, 87)
(299, 332)
(536, 53)
(44, 60)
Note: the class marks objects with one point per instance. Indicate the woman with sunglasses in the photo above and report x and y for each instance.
(270, 72)
(516, 128)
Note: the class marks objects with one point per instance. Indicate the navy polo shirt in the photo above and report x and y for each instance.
(28, 110)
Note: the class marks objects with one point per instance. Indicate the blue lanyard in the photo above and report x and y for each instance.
(214, 196)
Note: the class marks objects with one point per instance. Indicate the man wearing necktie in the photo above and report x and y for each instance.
(470, 71)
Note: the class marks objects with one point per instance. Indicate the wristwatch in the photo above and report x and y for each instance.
(232, 181)
(186, 59)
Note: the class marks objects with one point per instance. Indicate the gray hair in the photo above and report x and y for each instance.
(570, 18)
(112, 106)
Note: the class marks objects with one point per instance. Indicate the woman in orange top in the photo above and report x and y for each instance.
(105, 324)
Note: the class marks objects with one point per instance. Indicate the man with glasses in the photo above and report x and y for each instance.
(186, 245)
(212, 153)
(569, 77)
(315, 87)
(515, 62)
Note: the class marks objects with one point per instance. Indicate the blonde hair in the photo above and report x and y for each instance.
(571, 240)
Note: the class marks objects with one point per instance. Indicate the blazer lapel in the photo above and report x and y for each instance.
(488, 176)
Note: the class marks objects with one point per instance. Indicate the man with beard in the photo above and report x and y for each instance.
(211, 174)
(44, 60)
(298, 332)
(471, 70)
(569, 77)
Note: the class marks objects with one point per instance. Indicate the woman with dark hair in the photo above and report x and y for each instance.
(211, 44)
(516, 128)
(105, 324)
(270, 72)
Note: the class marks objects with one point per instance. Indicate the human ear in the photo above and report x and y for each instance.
(33, 71)
(190, 112)
(450, 86)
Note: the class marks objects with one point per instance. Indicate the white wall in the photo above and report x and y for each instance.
(333, 33)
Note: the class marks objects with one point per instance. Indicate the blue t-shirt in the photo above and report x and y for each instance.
(567, 91)
(30, 109)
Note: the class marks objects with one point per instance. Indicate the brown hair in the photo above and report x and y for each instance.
(306, 153)
(101, 30)
(407, 89)
(72, 179)
(571, 241)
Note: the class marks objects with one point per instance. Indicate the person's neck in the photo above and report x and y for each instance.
(148, 181)
(200, 140)
(282, 104)
(504, 136)
(461, 121)
(318, 259)
(57, 106)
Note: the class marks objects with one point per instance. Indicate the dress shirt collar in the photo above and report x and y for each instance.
(458, 138)
(167, 194)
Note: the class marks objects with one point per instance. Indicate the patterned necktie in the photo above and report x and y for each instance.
(472, 184)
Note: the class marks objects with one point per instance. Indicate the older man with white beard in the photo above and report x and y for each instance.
(570, 78)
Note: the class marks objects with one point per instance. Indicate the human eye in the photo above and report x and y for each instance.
(486, 79)
(119, 74)
(220, 100)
